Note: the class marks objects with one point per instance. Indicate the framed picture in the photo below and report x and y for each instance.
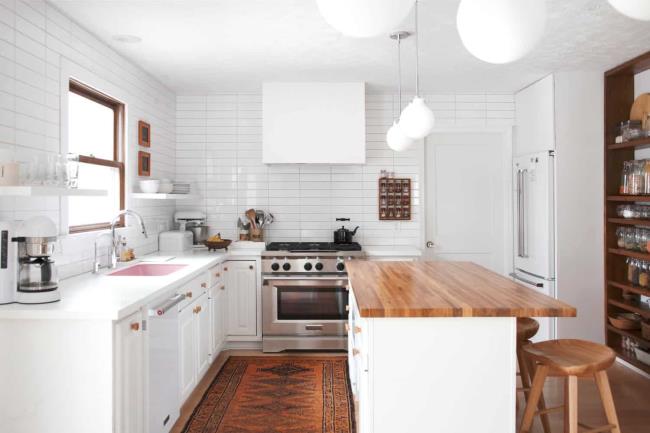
(144, 134)
(144, 163)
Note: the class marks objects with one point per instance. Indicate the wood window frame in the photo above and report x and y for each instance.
(118, 149)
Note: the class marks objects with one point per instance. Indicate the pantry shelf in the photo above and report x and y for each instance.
(632, 144)
(633, 289)
(629, 198)
(628, 253)
(631, 360)
(42, 191)
(635, 335)
(634, 308)
(629, 221)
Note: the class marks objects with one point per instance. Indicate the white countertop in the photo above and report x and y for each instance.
(388, 251)
(100, 296)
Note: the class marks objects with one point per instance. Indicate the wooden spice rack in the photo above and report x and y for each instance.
(619, 96)
(394, 199)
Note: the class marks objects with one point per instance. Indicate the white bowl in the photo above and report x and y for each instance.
(150, 186)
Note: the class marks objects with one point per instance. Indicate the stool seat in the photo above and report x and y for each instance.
(571, 357)
(526, 328)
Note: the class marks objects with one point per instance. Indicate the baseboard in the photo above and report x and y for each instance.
(633, 368)
(242, 345)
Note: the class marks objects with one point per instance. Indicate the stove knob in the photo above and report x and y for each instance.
(319, 266)
(307, 266)
(340, 266)
(275, 266)
(286, 266)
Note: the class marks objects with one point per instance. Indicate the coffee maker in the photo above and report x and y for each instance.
(29, 267)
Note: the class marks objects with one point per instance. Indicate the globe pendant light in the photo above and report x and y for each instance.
(417, 120)
(364, 18)
(635, 9)
(395, 137)
(501, 31)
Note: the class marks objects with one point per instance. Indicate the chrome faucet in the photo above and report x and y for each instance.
(115, 243)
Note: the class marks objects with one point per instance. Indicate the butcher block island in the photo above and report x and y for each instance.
(435, 342)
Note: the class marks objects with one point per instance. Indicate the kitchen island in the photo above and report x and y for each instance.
(432, 345)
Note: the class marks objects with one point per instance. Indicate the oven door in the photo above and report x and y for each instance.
(304, 306)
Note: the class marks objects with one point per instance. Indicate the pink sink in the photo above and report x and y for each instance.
(147, 270)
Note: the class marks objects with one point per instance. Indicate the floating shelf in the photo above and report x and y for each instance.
(156, 196)
(42, 191)
(632, 144)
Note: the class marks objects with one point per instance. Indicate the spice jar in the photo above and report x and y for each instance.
(632, 271)
(635, 179)
(644, 274)
(630, 241)
(620, 237)
(641, 237)
(625, 178)
(646, 176)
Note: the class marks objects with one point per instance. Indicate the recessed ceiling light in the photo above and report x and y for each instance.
(127, 39)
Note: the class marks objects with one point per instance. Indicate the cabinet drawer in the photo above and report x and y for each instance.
(216, 275)
(193, 289)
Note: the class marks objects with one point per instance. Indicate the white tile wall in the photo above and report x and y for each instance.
(219, 148)
(35, 38)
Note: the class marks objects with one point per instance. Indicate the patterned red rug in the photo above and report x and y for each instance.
(277, 395)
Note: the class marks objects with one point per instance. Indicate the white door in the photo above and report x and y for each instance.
(241, 294)
(217, 311)
(533, 215)
(187, 357)
(467, 198)
(202, 335)
(129, 353)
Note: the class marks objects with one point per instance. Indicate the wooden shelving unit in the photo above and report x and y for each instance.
(619, 96)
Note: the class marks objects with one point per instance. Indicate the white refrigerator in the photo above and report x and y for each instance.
(534, 243)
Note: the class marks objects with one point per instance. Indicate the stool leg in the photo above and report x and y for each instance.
(535, 392)
(608, 401)
(546, 425)
(524, 374)
(571, 405)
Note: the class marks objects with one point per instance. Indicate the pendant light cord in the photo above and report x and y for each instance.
(399, 73)
(417, 52)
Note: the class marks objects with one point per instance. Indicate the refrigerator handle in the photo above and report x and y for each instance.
(524, 280)
(522, 246)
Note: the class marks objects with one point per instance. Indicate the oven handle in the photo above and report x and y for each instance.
(302, 277)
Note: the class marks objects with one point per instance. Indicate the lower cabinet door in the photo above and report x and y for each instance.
(187, 356)
(129, 371)
(241, 293)
(201, 311)
(217, 322)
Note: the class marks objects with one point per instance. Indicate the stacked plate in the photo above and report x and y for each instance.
(181, 188)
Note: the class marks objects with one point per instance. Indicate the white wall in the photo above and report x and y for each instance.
(219, 147)
(642, 83)
(36, 42)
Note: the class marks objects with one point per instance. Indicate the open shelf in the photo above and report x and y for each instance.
(631, 360)
(157, 196)
(632, 144)
(635, 335)
(629, 221)
(629, 198)
(628, 253)
(629, 288)
(41, 191)
(633, 308)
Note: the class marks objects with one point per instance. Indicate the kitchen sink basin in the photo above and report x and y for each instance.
(148, 270)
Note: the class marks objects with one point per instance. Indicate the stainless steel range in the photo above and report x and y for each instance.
(305, 295)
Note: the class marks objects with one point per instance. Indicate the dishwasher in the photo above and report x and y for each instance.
(163, 354)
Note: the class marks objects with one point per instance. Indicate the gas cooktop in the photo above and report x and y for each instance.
(312, 246)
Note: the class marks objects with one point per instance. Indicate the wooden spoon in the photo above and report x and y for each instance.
(250, 214)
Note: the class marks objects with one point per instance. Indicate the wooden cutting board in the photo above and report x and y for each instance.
(641, 109)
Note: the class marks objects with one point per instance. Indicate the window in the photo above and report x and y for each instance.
(96, 134)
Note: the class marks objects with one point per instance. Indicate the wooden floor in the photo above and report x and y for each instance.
(631, 396)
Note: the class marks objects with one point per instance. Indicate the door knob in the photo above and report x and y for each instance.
(429, 244)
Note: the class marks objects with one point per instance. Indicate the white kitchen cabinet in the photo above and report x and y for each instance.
(201, 312)
(241, 295)
(535, 113)
(331, 115)
(217, 295)
(129, 364)
(187, 355)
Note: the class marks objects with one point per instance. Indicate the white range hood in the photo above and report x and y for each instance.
(314, 123)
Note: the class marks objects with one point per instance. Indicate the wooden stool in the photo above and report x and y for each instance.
(571, 359)
(526, 329)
